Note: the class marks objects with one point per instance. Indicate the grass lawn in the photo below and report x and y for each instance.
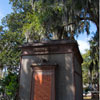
(86, 98)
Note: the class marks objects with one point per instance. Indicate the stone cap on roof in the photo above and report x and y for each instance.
(52, 47)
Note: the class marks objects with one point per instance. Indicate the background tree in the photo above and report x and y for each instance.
(9, 50)
(72, 16)
(90, 68)
(85, 67)
(62, 18)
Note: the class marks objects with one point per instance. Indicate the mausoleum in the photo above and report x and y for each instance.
(51, 71)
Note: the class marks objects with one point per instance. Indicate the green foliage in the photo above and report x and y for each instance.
(9, 49)
(90, 65)
(1, 27)
(14, 21)
(94, 53)
(85, 66)
(64, 17)
(38, 18)
(33, 26)
(43, 19)
(20, 5)
(9, 86)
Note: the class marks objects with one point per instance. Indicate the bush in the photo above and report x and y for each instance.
(9, 86)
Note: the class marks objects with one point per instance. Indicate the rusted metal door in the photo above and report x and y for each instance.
(43, 83)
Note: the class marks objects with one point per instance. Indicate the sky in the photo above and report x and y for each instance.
(5, 8)
(84, 38)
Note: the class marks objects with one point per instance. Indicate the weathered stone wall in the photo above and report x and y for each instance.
(78, 80)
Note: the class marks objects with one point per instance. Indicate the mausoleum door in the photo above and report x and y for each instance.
(43, 83)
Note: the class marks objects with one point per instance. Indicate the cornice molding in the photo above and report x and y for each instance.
(52, 47)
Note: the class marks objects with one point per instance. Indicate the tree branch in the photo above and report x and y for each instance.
(85, 18)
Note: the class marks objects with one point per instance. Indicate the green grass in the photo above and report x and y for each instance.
(87, 98)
